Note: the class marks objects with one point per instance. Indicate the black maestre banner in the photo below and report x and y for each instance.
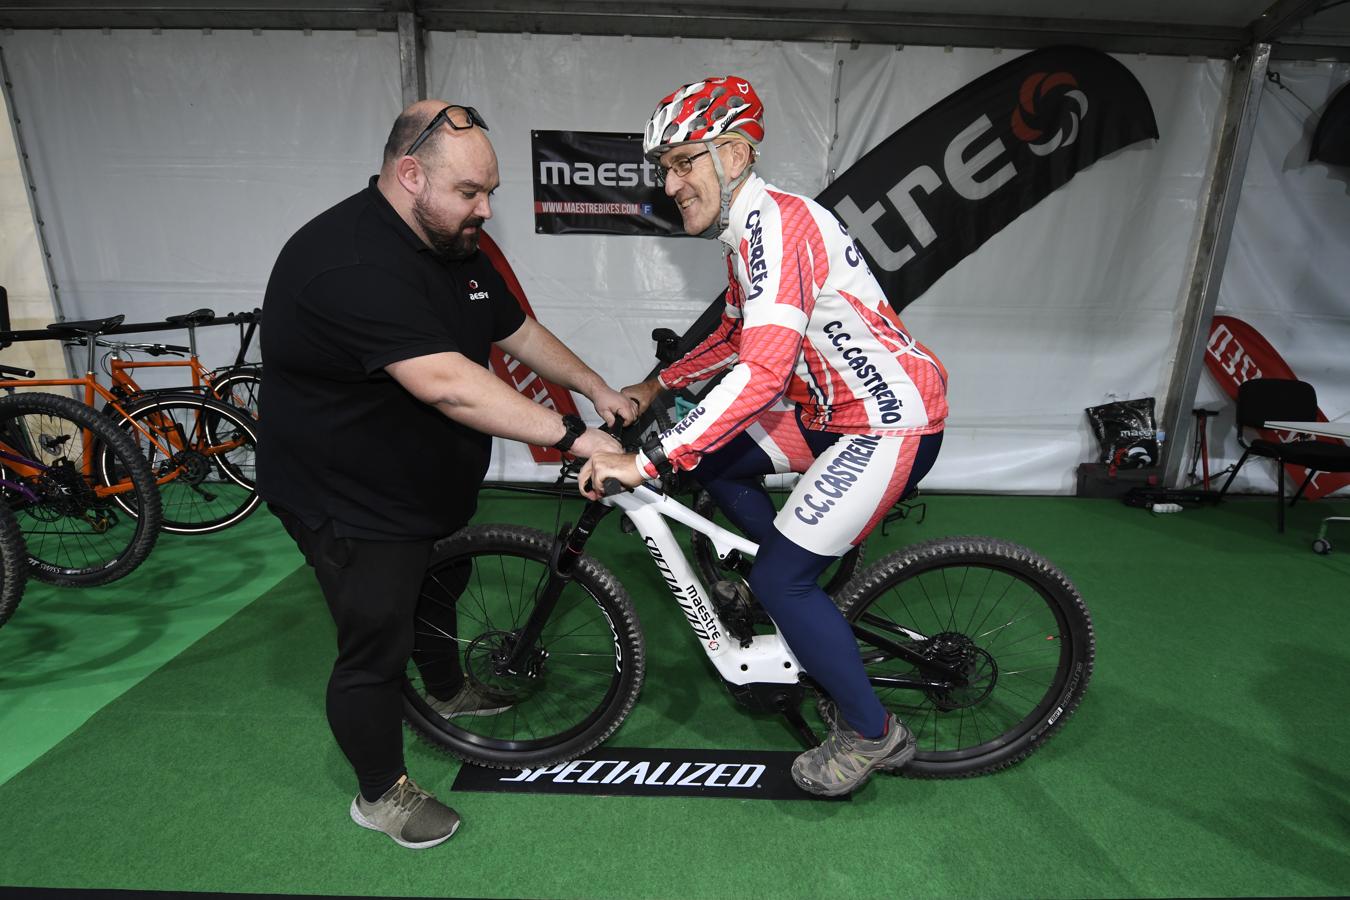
(1331, 140)
(948, 180)
(944, 183)
(591, 182)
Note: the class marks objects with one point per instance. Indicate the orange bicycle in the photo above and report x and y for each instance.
(201, 451)
(68, 475)
(238, 384)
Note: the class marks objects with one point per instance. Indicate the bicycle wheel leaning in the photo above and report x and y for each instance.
(576, 685)
(70, 509)
(1013, 626)
(203, 453)
(13, 564)
(712, 568)
(239, 387)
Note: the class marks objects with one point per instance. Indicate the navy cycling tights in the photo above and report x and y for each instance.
(785, 576)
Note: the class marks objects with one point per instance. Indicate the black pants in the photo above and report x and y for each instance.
(371, 588)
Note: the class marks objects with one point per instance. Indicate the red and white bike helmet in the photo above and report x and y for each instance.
(699, 113)
(702, 111)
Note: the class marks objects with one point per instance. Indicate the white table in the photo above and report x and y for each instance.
(1323, 429)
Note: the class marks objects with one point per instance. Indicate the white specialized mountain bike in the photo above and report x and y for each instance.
(981, 646)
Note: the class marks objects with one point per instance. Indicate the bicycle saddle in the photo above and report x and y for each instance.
(196, 317)
(85, 326)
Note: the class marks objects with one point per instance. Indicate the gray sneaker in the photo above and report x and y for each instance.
(846, 759)
(408, 814)
(469, 702)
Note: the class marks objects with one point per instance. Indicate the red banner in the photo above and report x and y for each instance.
(1238, 353)
(513, 371)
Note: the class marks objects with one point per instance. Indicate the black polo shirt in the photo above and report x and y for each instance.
(353, 291)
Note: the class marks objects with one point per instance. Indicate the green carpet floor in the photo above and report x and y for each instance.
(1205, 760)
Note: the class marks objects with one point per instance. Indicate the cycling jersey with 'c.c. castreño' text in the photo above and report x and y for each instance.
(804, 321)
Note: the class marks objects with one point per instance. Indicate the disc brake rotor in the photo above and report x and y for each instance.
(978, 671)
(485, 665)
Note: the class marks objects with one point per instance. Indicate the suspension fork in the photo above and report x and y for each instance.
(567, 549)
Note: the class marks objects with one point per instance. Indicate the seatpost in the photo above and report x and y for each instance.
(192, 341)
(91, 341)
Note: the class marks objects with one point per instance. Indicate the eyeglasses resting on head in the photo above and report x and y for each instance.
(460, 118)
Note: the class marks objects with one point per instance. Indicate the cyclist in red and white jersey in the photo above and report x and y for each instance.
(821, 377)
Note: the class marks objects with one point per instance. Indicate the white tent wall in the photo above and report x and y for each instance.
(21, 270)
(1288, 271)
(171, 167)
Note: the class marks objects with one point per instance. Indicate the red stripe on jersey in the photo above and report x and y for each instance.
(886, 329)
(899, 478)
(765, 349)
(837, 395)
(802, 240)
(713, 354)
(884, 324)
(782, 429)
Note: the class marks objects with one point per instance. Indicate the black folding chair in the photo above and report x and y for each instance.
(1263, 400)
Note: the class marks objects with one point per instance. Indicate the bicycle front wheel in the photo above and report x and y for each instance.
(203, 454)
(1010, 630)
(575, 686)
(70, 509)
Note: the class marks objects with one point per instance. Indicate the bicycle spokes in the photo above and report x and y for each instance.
(469, 623)
(963, 653)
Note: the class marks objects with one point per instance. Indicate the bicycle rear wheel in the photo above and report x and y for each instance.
(203, 453)
(69, 508)
(13, 564)
(580, 681)
(1006, 620)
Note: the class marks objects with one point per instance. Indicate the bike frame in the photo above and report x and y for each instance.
(766, 657)
(119, 369)
(92, 389)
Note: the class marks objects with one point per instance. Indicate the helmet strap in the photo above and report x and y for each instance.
(719, 225)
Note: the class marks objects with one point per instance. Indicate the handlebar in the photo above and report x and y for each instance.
(611, 486)
(152, 349)
(17, 372)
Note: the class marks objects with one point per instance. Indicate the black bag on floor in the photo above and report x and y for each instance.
(1127, 433)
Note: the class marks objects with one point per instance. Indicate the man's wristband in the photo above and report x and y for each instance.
(655, 454)
(575, 429)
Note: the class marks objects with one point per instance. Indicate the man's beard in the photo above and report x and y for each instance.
(446, 243)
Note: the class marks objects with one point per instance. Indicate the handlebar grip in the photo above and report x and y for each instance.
(612, 486)
(17, 372)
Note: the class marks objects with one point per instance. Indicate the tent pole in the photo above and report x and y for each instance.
(1216, 232)
(412, 69)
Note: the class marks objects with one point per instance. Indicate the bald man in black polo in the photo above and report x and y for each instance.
(378, 413)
